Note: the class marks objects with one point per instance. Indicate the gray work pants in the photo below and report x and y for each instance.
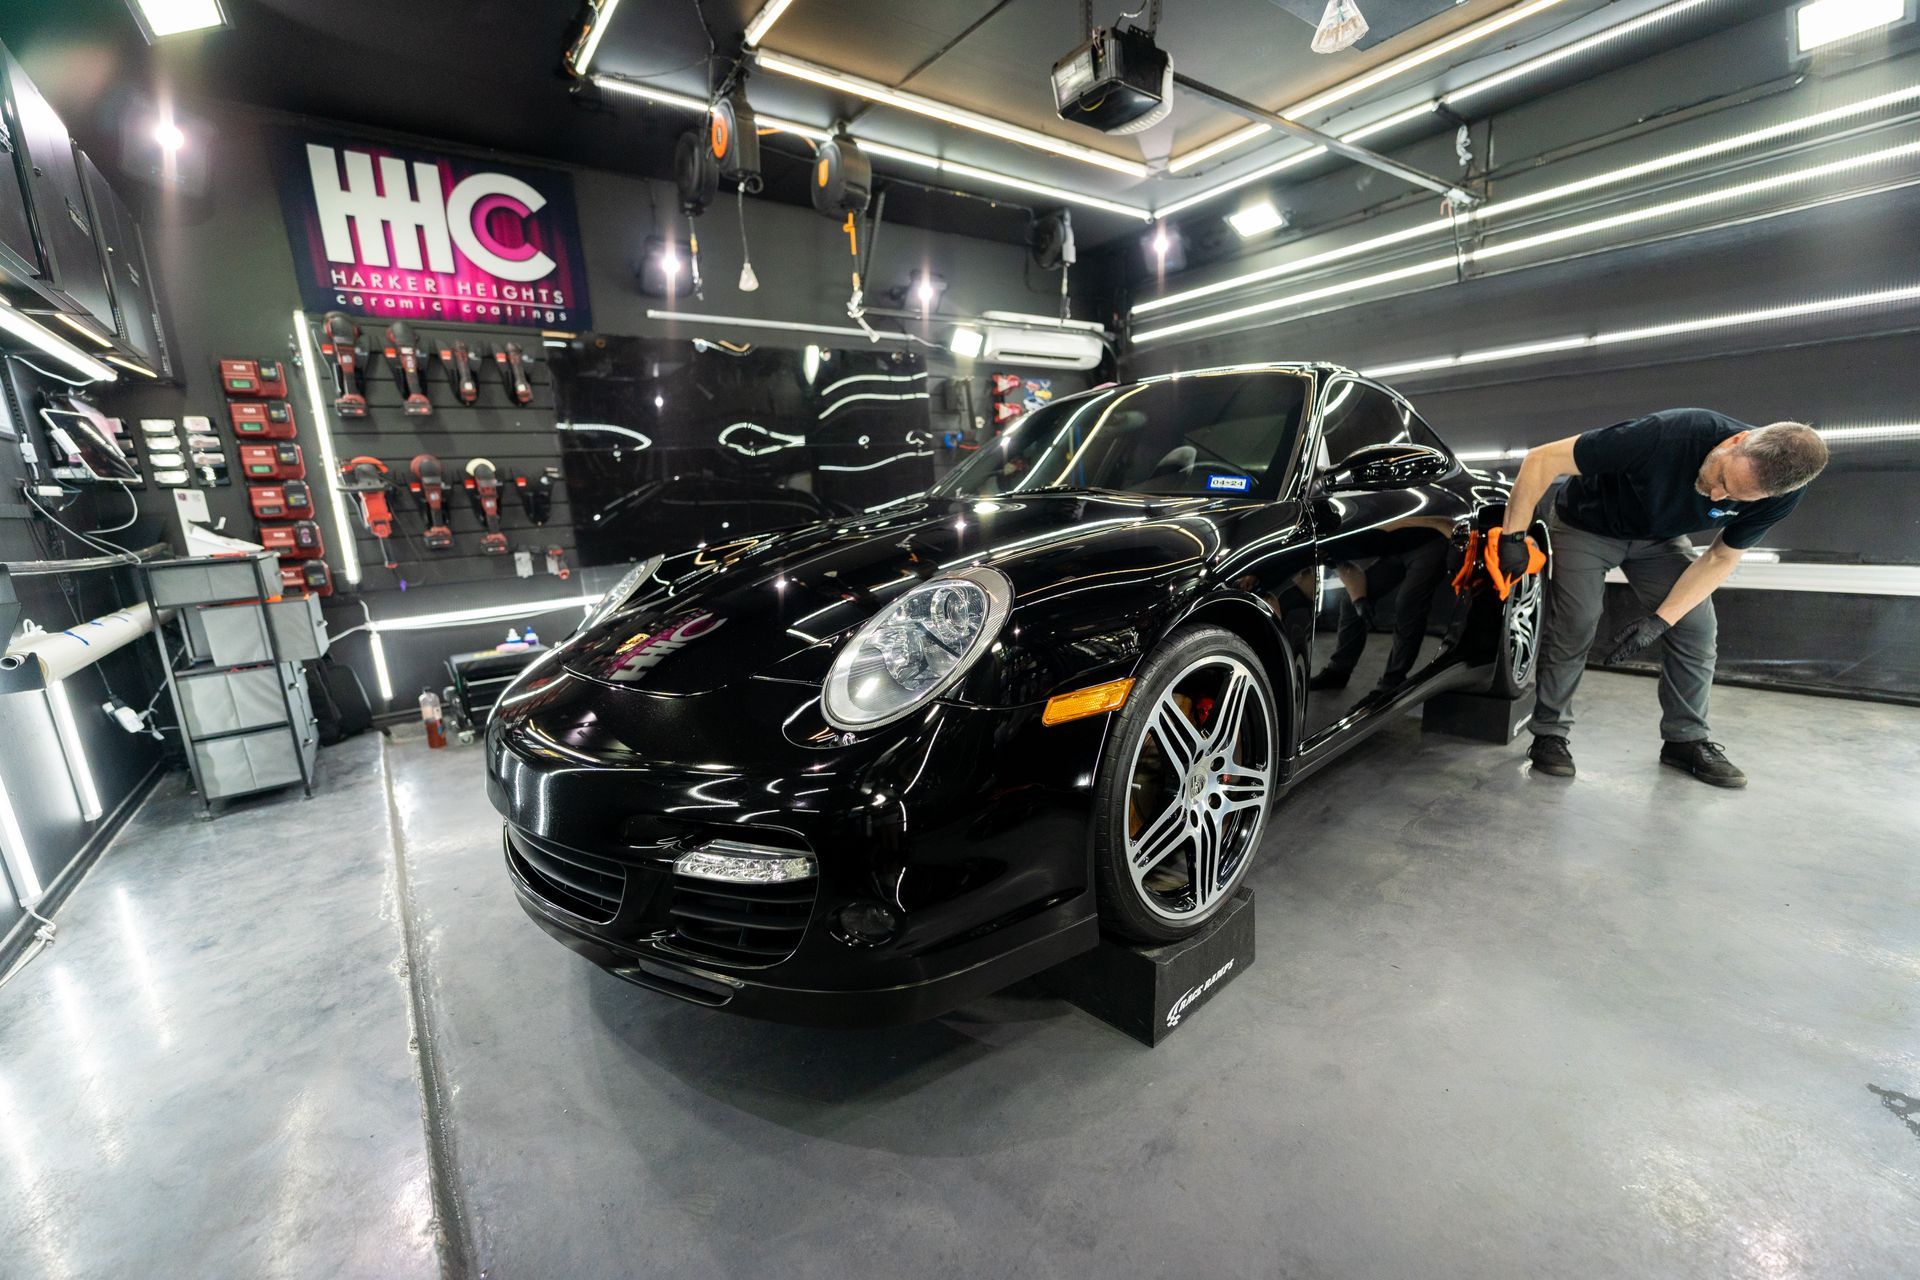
(1574, 597)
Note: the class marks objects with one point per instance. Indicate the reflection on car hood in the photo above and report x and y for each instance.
(733, 610)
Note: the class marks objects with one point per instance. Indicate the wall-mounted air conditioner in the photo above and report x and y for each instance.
(1042, 348)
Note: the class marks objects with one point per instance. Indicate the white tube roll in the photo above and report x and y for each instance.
(61, 653)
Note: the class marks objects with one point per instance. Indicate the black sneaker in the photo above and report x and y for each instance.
(1329, 679)
(1705, 760)
(1551, 756)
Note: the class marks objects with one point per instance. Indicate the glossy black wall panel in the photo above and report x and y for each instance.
(70, 260)
(670, 443)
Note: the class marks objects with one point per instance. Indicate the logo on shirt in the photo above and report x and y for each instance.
(1721, 513)
(1237, 484)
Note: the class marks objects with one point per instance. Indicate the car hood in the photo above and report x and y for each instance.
(779, 604)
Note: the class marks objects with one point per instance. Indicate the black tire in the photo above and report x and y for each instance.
(1143, 794)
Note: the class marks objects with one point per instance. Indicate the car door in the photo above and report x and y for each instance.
(1388, 544)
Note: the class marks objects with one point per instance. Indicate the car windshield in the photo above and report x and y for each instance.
(1215, 435)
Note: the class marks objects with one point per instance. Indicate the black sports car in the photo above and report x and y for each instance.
(865, 770)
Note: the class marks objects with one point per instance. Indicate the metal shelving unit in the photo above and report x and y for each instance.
(236, 681)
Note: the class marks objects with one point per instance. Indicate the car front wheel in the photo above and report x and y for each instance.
(1184, 785)
(1521, 618)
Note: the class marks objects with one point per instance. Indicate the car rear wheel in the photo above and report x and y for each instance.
(1184, 785)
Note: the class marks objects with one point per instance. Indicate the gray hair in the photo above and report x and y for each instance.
(1785, 455)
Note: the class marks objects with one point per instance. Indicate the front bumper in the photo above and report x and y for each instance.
(970, 825)
(750, 995)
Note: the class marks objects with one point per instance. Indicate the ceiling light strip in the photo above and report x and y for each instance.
(1658, 164)
(596, 30)
(1705, 198)
(1359, 84)
(1705, 151)
(946, 113)
(1435, 265)
(1619, 337)
(880, 150)
(763, 21)
(1572, 50)
(1432, 266)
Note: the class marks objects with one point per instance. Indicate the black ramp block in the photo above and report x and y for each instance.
(1151, 992)
(1472, 715)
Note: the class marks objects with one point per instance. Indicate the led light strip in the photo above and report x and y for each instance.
(36, 335)
(1435, 265)
(844, 401)
(134, 367)
(1572, 50)
(68, 734)
(785, 326)
(830, 388)
(381, 675)
(329, 460)
(1431, 266)
(485, 613)
(1658, 164)
(873, 91)
(1870, 435)
(763, 21)
(1898, 431)
(13, 851)
(1737, 192)
(1618, 337)
(427, 621)
(596, 29)
(1379, 75)
(880, 150)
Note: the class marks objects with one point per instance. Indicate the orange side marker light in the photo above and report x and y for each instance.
(1091, 701)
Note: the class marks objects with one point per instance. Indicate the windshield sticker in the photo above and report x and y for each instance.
(1237, 484)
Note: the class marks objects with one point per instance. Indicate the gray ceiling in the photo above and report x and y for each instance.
(488, 73)
(993, 56)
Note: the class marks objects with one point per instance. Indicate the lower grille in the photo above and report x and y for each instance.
(585, 884)
(743, 923)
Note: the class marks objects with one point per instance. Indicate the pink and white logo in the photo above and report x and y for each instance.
(388, 231)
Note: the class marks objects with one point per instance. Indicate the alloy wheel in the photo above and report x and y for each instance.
(1198, 787)
(1523, 627)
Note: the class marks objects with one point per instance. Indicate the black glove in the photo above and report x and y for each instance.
(1637, 635)
(1514, 555)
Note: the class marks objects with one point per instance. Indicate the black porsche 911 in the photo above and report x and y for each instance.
(863, 771)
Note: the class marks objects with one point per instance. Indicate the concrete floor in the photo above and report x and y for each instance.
(1499, 1026)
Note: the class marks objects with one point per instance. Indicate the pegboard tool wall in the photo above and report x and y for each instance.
(518, 439)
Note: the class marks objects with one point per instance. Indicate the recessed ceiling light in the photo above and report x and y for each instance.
(158, 18)
(1826, 22)
(1257, 219)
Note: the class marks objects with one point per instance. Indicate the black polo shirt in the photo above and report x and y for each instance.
(1637, 479)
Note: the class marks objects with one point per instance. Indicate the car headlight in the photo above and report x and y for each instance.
(622, 591)
(916, 648)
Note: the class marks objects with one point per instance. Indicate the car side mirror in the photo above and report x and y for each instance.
(1379, 467)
